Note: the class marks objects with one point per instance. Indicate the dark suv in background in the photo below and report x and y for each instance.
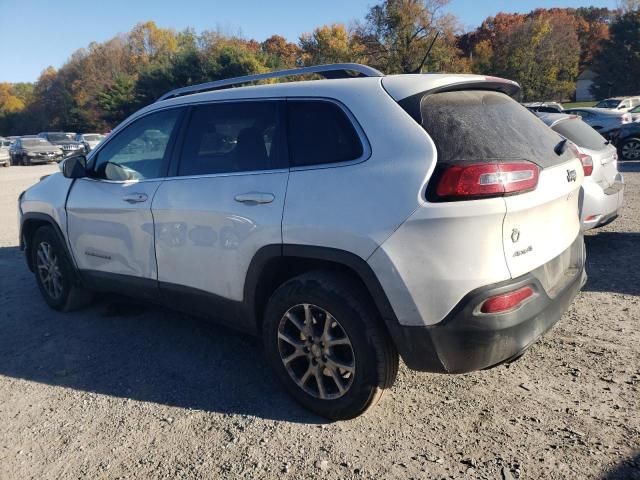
(627, 141)
(65, 141)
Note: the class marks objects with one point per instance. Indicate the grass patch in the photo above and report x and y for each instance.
(578, 104)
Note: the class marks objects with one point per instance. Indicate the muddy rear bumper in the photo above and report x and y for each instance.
(467, 340)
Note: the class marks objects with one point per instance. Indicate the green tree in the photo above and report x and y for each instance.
(118, 100)
(618, 62)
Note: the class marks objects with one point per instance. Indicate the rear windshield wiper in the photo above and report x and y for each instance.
(561, 147)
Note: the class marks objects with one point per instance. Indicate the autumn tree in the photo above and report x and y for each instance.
(280, 53)
(329, 44)
(10, 102)
(397, 34)
(618, 63)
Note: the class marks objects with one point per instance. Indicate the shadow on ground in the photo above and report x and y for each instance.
(608, 254)
(127, 349)
(628, 469)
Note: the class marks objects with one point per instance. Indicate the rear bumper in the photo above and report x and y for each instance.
(466, 341)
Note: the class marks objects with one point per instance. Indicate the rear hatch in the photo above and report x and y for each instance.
(540, 181)
(601, 153)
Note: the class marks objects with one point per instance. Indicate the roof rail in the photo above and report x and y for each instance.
(334, 70)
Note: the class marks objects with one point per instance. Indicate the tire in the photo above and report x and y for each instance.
(360, 344)
(6, 164)
(630, 149)
(25, 161)
(49, 260)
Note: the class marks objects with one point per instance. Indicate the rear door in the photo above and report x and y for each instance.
(110, 225)
(222, 203)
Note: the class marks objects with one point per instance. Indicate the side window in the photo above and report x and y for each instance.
(139, 151)
(233, 137)
(320, 132)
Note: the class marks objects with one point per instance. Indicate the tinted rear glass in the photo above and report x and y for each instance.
(581, 134)
(484, 126)
(320, 132)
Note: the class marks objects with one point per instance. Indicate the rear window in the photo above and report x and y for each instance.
(319, 133)
(581, 134)
(486, 126)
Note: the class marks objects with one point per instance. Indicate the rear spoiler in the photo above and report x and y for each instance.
(411, 103)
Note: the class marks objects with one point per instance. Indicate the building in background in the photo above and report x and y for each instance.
(583, 86)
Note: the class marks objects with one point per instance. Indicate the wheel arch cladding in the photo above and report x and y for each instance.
(275, 264)
(29, 224)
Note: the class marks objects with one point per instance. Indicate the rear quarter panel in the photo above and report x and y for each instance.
(356, 206)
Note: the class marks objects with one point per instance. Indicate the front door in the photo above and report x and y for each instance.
(110, 225)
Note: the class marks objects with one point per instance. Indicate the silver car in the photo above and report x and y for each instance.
(5, 157)
(344, 221)
(603, 185)
(601, 119)
(621, 104)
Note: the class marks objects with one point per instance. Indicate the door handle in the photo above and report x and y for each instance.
(135, 198)
(255, 198)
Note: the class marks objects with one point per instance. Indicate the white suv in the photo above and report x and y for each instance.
(344, 221)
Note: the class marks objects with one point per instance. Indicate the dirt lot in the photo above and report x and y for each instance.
(122, 390)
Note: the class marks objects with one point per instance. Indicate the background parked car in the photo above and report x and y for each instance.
(65, 141)
(601, 119)
(603, 186)
(89, 140)
(5, 158)
(635, 114)
(546, 107)
(621, 104)
(627, 140)
(29, 150)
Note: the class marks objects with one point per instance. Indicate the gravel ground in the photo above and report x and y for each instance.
(123, 390)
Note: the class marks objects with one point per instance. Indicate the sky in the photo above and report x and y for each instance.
(37, 33)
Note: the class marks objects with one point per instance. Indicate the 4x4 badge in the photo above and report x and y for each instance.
(515, 235)
(571, 176)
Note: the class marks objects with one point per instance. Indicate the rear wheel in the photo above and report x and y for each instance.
(630, 149)
(54, 272)
(326, 345)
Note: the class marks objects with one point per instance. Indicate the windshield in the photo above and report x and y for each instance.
(581, 134)
(608, 104)
(635, 110)
(59, 137)
(34, 142)
(92, 138)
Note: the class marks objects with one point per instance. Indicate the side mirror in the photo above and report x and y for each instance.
(74, 167)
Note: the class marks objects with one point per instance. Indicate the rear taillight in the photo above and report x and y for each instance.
(507, 301)
(481, 180)
(587, 163)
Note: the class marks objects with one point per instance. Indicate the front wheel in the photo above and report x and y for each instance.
(630, 149)
(26, 161)
(327, 346)
(54, 272)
